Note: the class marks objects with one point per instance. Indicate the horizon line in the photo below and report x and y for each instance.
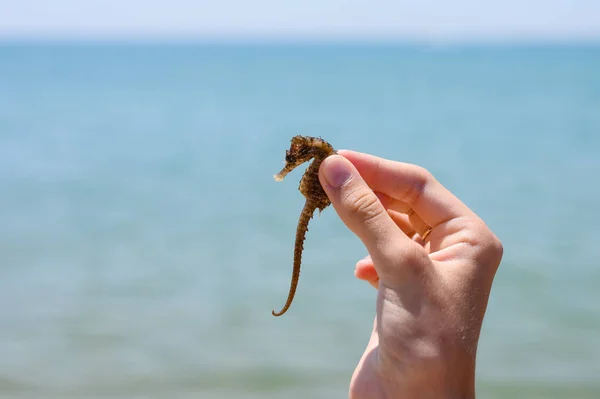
(303, 40)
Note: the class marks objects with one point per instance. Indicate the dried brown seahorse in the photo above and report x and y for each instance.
(303, 149)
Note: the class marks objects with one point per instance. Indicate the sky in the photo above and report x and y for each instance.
(301, 19)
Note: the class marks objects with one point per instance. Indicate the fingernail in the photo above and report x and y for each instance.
(337, 171)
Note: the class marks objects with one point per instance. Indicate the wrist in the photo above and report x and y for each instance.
(448, 373)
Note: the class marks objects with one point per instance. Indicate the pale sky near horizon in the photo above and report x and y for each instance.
(280, 19)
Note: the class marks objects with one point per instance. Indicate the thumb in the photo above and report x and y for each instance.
(360, 209)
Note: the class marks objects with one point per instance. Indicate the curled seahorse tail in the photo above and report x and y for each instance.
(301, 229)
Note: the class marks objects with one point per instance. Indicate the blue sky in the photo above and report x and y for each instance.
(280, 19)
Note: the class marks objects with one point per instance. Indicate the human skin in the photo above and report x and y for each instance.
(432, 293)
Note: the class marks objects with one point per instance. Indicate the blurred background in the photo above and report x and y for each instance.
(144, 242)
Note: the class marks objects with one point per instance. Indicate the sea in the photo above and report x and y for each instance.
(144, 241)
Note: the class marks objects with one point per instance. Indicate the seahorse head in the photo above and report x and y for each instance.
(303, 149)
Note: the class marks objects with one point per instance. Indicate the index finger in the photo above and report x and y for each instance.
(410, 184)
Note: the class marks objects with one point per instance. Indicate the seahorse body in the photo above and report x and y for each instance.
(302, 149)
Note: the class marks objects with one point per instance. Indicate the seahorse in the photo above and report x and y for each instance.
(303, 149)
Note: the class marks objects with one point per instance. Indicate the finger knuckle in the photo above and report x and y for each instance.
(420, 177)
(495, 249)
(364, 205)
(491, 248)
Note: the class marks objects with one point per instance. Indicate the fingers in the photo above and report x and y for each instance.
(411, 185)
(404, 216)
(362, 212)
(365, 270)
(403, 222)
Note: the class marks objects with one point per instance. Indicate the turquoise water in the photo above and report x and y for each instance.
(144, 242)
